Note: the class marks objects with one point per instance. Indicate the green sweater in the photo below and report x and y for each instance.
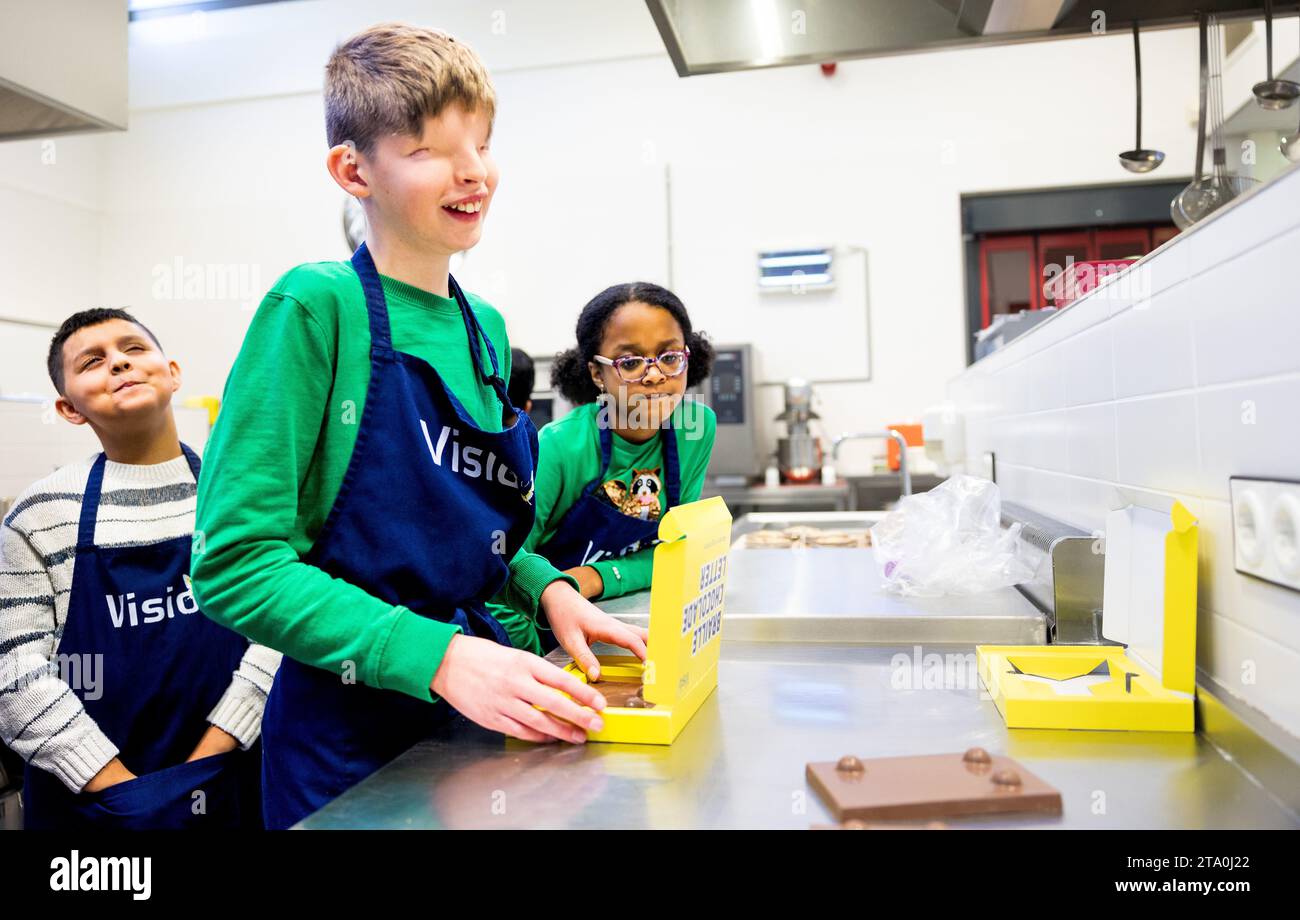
(570, 459)
(276, 459)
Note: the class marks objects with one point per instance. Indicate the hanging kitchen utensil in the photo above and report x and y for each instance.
(1139, 160)
(1272, 94)
(1206, 194)
(1290, 145)
(1188, 205)
(1230, 185)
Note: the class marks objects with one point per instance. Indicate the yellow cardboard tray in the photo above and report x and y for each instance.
(1149, 605)
(1124, 695)
(686, 601)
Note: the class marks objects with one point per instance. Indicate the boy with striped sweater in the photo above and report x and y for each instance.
(108, 671)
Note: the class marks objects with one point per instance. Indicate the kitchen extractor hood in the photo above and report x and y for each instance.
(62, 67)
(716, 36)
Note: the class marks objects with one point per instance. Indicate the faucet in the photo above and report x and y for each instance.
(872, 435)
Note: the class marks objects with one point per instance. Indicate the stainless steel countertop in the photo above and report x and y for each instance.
(740, 761)
(779, 494)
(829, 594)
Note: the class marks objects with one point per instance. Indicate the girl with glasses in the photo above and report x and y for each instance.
(633, 447)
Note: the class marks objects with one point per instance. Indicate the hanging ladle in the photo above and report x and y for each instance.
(1271, 94)
(1139, 160)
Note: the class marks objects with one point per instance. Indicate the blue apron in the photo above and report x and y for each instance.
(431, 510)
(164, 666)
(593, 529)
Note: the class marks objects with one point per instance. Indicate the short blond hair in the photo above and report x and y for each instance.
(389, 78)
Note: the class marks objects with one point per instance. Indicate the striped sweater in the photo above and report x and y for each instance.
(41, 718)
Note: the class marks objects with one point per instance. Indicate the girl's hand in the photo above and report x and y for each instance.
(500, 688)
(577, 623)
(590, 584)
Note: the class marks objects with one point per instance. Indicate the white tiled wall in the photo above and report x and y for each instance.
(1183, 374)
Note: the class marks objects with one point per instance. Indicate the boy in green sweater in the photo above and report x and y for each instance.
(368, 486)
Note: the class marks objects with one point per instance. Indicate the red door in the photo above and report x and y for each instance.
(1122, 243)
(1008, 276)
(1058, 250)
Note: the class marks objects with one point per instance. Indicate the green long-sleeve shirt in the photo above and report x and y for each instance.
(569, 459)
(277, 457)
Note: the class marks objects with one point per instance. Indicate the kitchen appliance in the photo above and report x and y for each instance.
(799, 453)
(63, 69)
(730, 392)
(719, 36)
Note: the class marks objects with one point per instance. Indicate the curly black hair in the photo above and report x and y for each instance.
(569, 373)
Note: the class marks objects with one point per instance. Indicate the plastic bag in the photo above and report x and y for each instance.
(949, 541)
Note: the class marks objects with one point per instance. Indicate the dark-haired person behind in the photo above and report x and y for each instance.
(523, 375)
(632, 448)
(129, 706)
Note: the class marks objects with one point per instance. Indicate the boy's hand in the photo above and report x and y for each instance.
(577, 623)
(114, 772)
(500, 688)
(590, 584)
(214, 741)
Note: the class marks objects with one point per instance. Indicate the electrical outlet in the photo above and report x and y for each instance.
(1266, 529)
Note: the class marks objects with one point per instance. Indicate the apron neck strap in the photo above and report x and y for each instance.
(95, 489)
(672, 473)
(475, 332)
(381, 333)
(381, 336)
(195, 463)
(90, 503)
(672, 469)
